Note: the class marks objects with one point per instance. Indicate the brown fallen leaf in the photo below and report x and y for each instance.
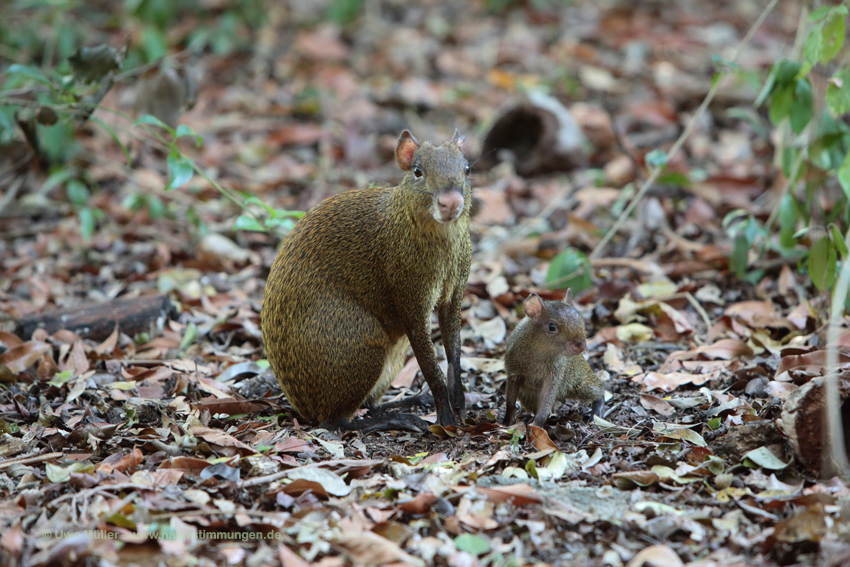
(289, 558)
(369, 549)
(808, 524)
(300, 485)
(656, 556)
(671, 381)
(22, 357)
(517, 494)
(540, 439)
(220, 438)
(656, 404)
(421, 504)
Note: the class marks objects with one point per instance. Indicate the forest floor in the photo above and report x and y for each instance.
(173, 445)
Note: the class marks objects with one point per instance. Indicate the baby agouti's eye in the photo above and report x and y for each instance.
(417, 172)
(466, 170)
(553, 328)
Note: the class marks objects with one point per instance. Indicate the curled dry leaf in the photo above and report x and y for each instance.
(656, 556)
(421, 504)
(540, 439)
(367, 549)
(20, 358)
(517, 494)
(671, 381)
(331, 483)
(656, 404)
(220, 438)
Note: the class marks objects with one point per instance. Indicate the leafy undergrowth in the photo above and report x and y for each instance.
(175, 445)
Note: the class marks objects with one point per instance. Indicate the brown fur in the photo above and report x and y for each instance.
(540, 363)
(357, 276)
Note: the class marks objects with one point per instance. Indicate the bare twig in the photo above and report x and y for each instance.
(835, 459)
(30, 460)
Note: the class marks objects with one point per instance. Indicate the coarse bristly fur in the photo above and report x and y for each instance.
(355, 283)
(544, 363)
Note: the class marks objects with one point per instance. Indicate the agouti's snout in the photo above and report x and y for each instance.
(574, 348)
(449, 205)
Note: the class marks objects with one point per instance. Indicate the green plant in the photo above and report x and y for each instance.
(813, 155)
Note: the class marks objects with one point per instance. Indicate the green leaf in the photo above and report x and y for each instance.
(788, 216)
(765, 458)
(109, 130)
(769, 83)
(787, 71)
(181, 171)
(822, 260)
(787, 159)
(837, 99)
(838, 240)
(676, 178)
(344, 12)
(150, 119)
(844, 175)
(569, 269)
(78, 193)
(780, 104)
(156, 208)
(256, 201)
(812, 49)
(820, 13)
(803, 106)
(29, 72)
(832, 37)
(656, 158)
(244, 222)
(184, 130)
(739, 260)
(472, 544)
(190, 336)
(86, 216)
(732, 216)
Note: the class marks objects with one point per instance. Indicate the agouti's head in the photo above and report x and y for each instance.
(557, 324)
(441, 172)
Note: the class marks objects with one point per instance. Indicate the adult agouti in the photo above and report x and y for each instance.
(354, 285)
(544, 361)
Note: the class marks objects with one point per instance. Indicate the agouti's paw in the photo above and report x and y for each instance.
(599, 407)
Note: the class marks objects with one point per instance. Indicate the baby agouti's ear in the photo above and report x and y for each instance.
(533, 306)
(568, 298)
(407, 146)
(457, 139)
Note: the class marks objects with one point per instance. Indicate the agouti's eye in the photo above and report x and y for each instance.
(466, 170)
(417, 173)
(553, 328)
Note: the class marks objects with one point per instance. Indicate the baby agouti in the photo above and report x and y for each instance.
(354, 285)
(544, 361)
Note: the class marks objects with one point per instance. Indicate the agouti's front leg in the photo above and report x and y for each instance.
(448, 315)
(420, 340)
(511, 391)
(545, 401)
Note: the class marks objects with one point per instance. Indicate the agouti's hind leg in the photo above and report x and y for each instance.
(426, 400)
(387, 422)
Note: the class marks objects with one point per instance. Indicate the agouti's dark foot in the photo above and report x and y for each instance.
(426, 400)
(387, 422)
(598, 407)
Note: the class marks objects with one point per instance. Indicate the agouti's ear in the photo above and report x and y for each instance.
(407, 146)
(457, 139)
(568, 298)
(533, 306)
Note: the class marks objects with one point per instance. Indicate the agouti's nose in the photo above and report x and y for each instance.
(449, 205)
